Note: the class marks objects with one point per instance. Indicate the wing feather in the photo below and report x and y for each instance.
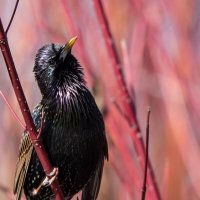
(24, 157)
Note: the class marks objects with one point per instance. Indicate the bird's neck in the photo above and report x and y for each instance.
(68, 102)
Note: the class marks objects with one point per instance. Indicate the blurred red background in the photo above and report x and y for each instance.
(157, 43)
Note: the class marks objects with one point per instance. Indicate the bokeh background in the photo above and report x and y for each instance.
(155, 44)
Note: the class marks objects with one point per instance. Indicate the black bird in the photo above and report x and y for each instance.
(73, 130)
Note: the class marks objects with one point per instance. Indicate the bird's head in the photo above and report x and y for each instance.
(56, 67)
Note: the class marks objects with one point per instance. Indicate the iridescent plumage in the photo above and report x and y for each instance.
(73, 133)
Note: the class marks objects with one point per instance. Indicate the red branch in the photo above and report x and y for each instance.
(124, 99)
(30, 127)
(41, 126)
(12, 17)
(12, 110)
(146, 157)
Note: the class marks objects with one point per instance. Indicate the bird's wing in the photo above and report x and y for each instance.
(24, 157)
(91, 189)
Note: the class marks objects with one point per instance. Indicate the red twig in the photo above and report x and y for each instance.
(39, 148)
(146, 156)
(12, 111)
(124, 95)
(111, 49)
(41, 125)
(12, 17)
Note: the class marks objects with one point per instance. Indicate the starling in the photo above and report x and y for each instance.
(72, 130)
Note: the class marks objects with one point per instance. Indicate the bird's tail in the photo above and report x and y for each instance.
(91, 190)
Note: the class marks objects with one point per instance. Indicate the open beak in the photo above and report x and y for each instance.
(67, 48)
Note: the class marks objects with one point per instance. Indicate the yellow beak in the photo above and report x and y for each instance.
(67, 48)
(70, 44)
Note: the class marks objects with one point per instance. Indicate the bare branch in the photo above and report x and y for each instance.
(12, 17)
(144, 187)
(12, 110)
(41, 124)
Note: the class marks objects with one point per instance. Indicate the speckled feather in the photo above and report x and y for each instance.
(73, 133)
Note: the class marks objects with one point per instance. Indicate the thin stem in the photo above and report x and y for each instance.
(12, 110)
(41, 125)
(12, 17)
(112, 52)
(144, 188)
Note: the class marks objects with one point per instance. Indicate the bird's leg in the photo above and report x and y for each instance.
(41, 124)
(50, 177)
(48, 180)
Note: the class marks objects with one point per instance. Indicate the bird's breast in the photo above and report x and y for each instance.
(71, 132)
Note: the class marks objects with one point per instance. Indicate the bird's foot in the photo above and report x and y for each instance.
(49, 179)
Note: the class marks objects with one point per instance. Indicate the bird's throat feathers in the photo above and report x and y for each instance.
(69, 103)
(63, 96)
